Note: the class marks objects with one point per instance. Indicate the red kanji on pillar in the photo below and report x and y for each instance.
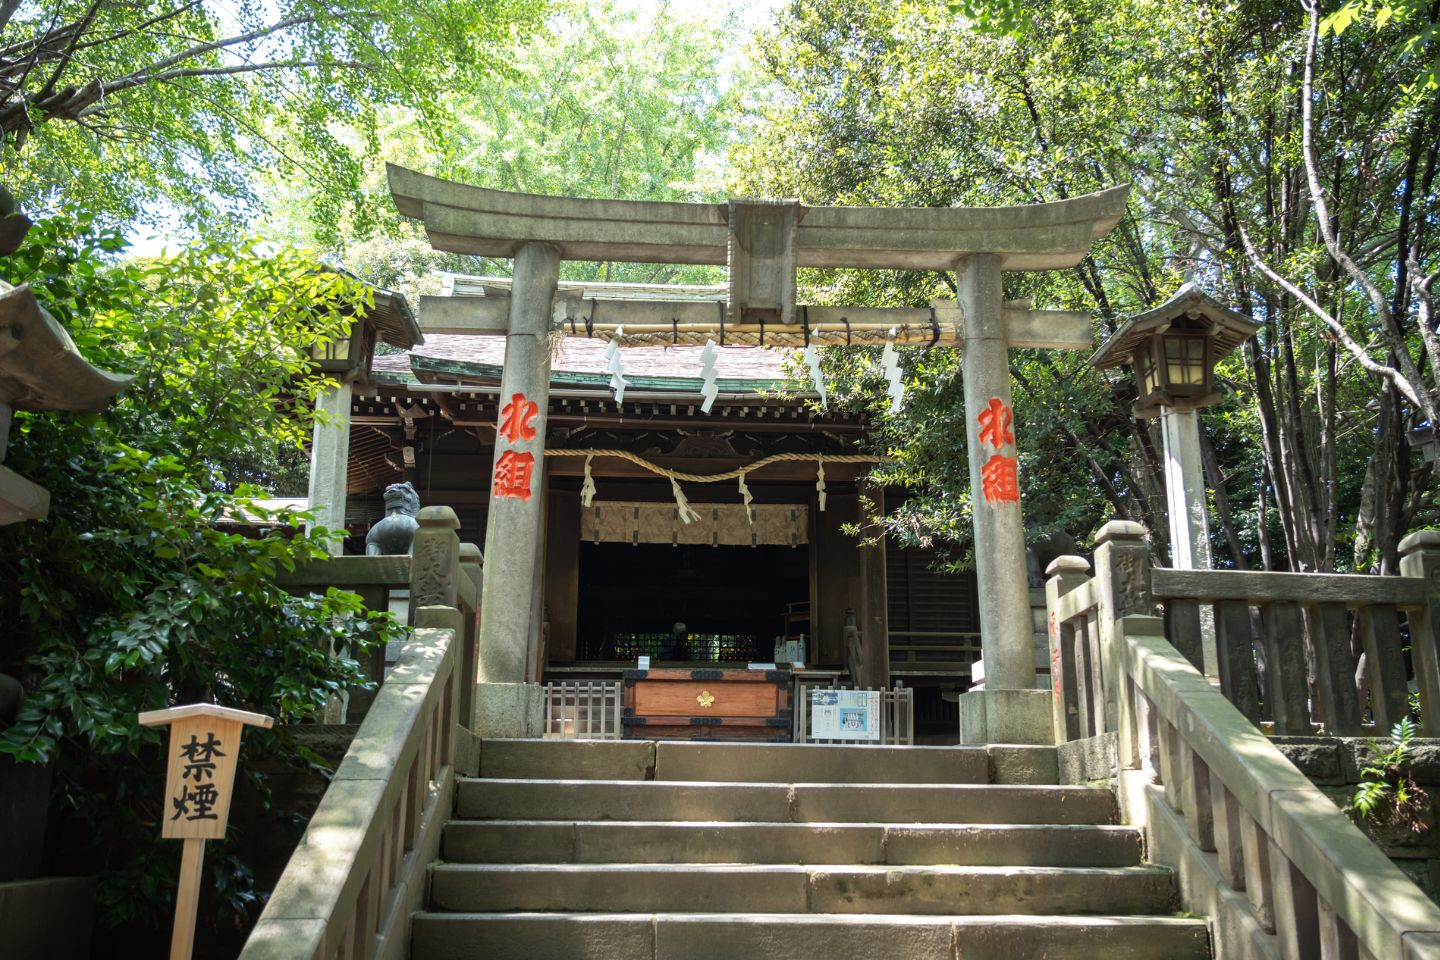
(995, 421)
(1000, 481)
(517, 418)
(512, 474)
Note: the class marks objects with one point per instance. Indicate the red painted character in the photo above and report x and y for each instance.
(517, 418)
(995, 422)
(1055, 671)
(512, 474)
(1000, 481)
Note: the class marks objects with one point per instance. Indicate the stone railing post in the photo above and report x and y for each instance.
(1420, 557)
(472, 566)
(1066, 574)
(1122, 584)
(435, 560)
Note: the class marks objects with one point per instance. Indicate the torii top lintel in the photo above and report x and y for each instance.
(461, 218)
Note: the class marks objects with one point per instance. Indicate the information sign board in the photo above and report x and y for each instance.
(844, 714)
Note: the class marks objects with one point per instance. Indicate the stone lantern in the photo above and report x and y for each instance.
(40, 369)
(1173, 349)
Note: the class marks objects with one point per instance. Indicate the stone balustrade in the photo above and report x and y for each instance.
(1280, 870)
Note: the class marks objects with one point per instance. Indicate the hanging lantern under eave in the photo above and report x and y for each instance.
(389, 319)
(345, 357)
(1173, 350)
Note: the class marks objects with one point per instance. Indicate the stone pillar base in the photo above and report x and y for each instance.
(509, 710)
(1006, 716)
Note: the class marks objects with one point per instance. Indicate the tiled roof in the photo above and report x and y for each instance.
(580, 359)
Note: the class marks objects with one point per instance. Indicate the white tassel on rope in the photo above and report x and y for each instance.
(890, 364)
(820, 485)
(708, 390)
(812, 360)
(682, 506)
(745, 495)
(587, 489)
(618, 383)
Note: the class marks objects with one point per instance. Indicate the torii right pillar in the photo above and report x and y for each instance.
(1009, 709)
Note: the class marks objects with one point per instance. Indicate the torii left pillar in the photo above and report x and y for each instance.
(1009, 709)
(506, 705)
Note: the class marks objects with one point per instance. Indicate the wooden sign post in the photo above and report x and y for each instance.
(199, 781)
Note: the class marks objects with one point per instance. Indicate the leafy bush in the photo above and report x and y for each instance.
(130, 596)
(1387, 793)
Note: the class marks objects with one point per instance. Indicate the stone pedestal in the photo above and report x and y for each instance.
(1006, 716)
(509, 710)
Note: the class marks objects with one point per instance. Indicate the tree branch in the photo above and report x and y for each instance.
(1407, 377)
(1353, 347)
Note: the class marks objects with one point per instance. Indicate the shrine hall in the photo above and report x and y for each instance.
(769, 555)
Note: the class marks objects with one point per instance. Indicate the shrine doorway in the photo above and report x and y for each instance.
(733, 601)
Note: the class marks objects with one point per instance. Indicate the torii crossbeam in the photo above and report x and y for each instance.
(762, 243)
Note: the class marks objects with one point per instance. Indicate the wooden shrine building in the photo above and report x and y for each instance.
(621, 573)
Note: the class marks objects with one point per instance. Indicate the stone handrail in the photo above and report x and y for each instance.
(1276, 865)
(1278, 868)
(440, 571)
(1268, 628)
(358, 873)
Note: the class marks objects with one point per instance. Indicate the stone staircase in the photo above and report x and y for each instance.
(645, 851)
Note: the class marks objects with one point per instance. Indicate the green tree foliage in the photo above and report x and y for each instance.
(134, 594)
(1416, 17)
(1317, 220)
(614, 101)
(147, 109)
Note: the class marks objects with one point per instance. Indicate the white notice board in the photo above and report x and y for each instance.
(844, 714)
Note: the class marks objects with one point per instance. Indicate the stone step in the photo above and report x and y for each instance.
(592, 841)
(776, 888)
(666, 936)
(504, 799)
(760, 762)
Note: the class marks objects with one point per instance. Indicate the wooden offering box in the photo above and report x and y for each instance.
(684, 704)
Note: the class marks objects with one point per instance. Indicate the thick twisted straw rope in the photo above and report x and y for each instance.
(858, 337)
(717, 477)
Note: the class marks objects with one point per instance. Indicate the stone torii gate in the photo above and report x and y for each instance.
(762, 243)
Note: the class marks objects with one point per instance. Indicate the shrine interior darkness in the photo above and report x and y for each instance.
(732, 600)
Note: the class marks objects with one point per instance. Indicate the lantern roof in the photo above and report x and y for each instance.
(40, 367)
(1226, 328)
(392, 316)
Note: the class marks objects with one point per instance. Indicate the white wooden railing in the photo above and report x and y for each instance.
(582, 710)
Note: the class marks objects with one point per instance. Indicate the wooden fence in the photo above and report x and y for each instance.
(1278, 868)
(897, 719)
(582, 710)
